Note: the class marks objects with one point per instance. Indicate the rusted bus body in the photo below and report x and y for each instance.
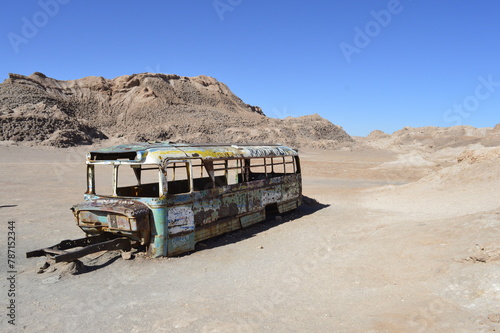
(194, 192)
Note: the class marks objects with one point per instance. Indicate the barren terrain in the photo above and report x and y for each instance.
(404, 240)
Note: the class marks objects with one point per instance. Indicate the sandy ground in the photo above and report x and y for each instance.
(401, 243)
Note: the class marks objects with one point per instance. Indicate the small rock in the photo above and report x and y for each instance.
(479, 258)
(73, 267)
(494, 317)
(42, 267)
(126, 255)
(260, 247)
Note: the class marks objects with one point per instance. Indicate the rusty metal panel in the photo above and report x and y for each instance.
(94, 217)
(254, 199)
(250, 219)
(129, 217)
(65, 250)
(206, 210)
(287, 206)
(271, 195)
(233, 204)
(180, 244)
(217, 228)
(180, 220)
(132, 208)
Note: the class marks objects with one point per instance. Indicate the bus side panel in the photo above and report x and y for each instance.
(158, 242)
(271, 195)
(205, 209)
(287, 206)
(181, 244)
(205, 214)
(220, 227)
(180, 220)
(233, 204)
(180, 224)
(253, 218)
(215, 216)
(291, 188)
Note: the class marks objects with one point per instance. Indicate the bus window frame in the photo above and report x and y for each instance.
(189, 174)
(213, 167)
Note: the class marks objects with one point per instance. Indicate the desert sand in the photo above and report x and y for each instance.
(402, 241)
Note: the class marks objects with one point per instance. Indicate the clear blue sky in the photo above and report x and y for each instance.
(363, 65)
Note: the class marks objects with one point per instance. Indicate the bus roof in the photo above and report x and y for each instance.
(155, 153)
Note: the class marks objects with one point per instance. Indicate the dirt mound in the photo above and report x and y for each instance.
(470, 185)
(433, 138)
(147, 106)
(477, 156)
(377, 135)
(40, 122)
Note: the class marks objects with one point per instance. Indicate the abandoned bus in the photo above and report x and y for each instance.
(170, 196)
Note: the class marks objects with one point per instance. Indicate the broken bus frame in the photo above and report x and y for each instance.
(176, 195)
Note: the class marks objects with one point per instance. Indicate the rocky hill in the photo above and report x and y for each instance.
(433, 138)
(147, 106)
